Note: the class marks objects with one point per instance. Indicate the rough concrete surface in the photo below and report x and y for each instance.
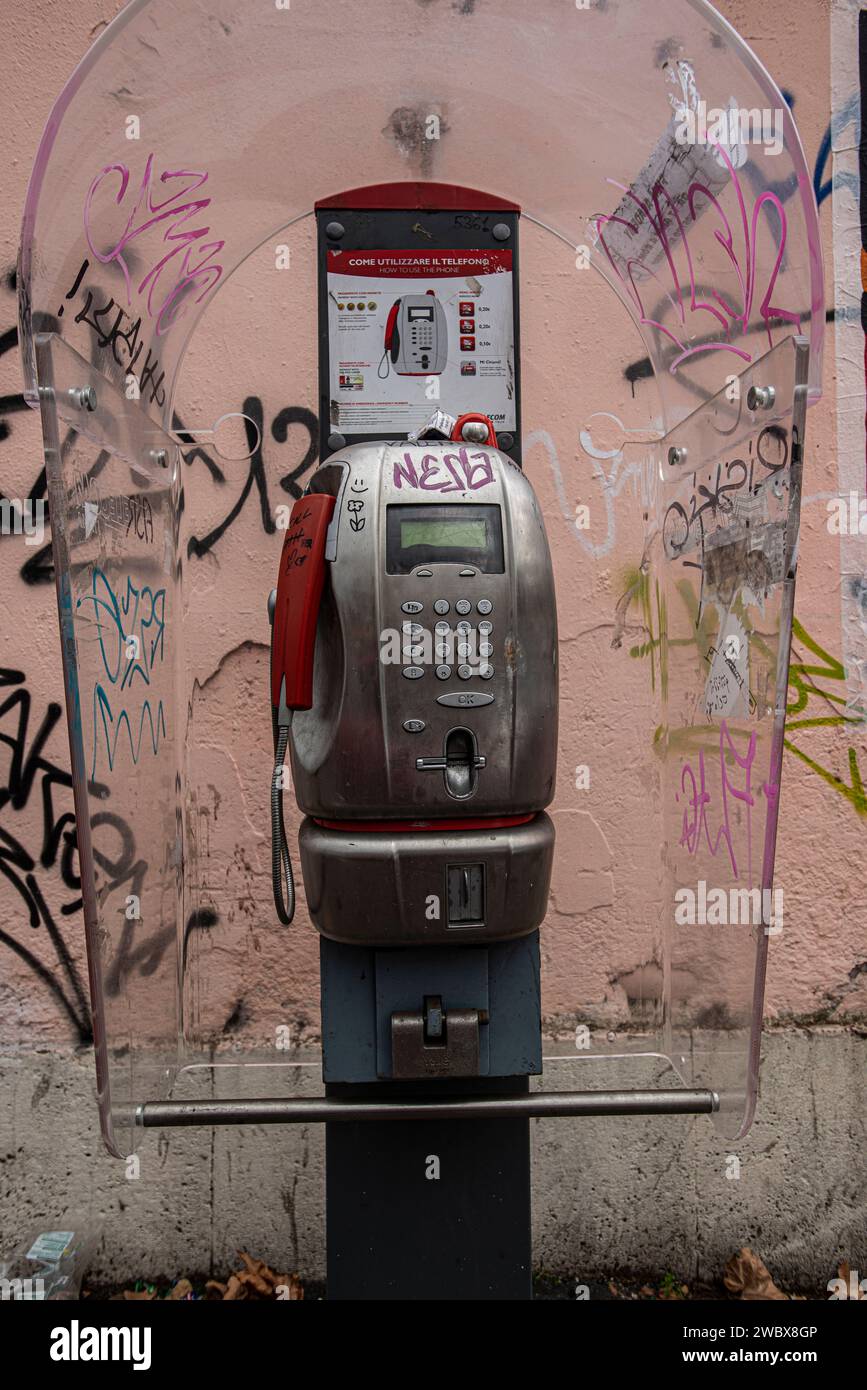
(610, 1195)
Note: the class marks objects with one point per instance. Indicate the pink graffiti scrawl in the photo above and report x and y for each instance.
(457, 472)
(718, 829)
(672, 232)
(173, 215)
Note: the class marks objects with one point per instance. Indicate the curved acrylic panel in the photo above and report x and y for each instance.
(727, 554)
(114, 496)
(651, 156)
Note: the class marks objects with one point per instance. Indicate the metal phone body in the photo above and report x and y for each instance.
(429, 652)
(406, 888)
(430, 748)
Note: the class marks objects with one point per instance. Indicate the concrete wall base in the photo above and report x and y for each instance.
(610, 1196)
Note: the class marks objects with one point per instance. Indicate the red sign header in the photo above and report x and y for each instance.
(419, 264)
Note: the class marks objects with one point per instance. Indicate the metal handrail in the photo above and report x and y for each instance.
(539, 1105)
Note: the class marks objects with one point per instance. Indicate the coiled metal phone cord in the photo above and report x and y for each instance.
(281, 864)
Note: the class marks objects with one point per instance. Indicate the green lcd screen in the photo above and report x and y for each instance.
(464, 534)
(444, 533)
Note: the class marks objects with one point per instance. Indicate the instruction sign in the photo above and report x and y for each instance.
(411, 330)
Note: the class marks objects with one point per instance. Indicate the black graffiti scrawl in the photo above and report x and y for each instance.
(30, 773)
(36, 862)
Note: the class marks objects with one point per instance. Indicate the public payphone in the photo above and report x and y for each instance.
(416, 589)
(414, 685)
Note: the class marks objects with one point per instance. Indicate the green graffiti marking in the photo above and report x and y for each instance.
(804, 679)
(800, 678)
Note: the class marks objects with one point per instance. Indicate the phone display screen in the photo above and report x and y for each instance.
(452, 534)
(466, 534)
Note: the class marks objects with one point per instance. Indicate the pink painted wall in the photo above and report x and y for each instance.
(596, 938)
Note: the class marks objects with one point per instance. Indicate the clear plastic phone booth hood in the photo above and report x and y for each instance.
(371, 286)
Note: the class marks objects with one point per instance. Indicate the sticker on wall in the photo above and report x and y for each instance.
(727, 691)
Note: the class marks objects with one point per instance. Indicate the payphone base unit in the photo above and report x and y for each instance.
(428, 1209)
(364, 990)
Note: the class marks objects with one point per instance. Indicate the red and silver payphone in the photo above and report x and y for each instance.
(414, 674)
(415, 670)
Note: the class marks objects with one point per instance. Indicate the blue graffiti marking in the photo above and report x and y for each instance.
(102, 707)
(131, 639)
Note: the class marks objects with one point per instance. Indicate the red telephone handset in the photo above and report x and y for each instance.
(392, 337)
(293, 639)
(299, 591)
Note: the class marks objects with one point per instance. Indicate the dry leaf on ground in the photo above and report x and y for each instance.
(746, 1275)
(254, 1280)
(293, 1285)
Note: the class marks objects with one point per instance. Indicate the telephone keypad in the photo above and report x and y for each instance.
(466, 643)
